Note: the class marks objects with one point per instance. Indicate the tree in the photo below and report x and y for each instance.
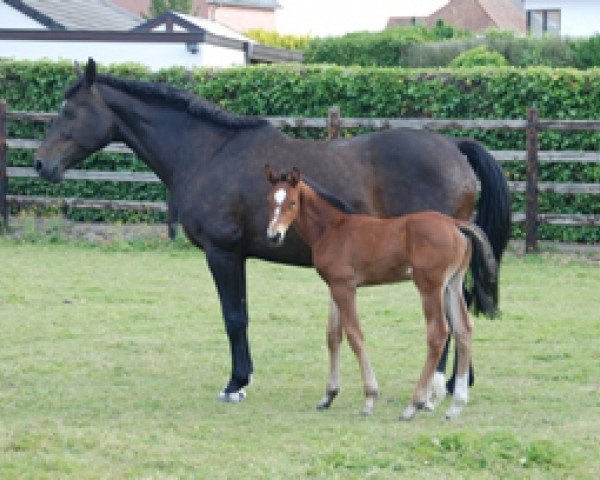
(158, 7)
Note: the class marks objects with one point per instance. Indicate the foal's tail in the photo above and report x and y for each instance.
(484, 269)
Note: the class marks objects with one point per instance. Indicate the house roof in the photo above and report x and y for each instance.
(182, 22)
(473, 15)
(504, 13)
(262, 4)
(77, 14)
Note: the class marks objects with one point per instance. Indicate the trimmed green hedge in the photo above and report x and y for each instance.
(308, 91)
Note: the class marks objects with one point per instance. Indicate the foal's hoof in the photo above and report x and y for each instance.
(366, 412)
(327, 400)
(232, 397)
(453, 412)
(408, 413)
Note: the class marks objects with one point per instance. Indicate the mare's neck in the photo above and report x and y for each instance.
(167, 139)
(316, 215)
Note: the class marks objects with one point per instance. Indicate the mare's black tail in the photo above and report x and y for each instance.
(484, 269)
(493, 209)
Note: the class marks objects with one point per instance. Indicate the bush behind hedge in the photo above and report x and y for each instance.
(308, 91)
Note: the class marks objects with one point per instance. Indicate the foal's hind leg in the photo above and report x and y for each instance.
(437, 333)
(334, 341)
(344, 296)
(462, 329)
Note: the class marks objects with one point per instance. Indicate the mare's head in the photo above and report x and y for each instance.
(284, 203)
(84, 125)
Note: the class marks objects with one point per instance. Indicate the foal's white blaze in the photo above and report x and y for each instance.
(279, 196)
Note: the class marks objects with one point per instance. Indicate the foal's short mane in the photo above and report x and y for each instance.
(329, 197)
(178, 99)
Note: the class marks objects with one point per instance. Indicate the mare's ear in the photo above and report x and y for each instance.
(90, 72)
(77, 69)
(271, 175)
(294, 177)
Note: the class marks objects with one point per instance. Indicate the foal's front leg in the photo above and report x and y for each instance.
(344, 295)
(334, 341)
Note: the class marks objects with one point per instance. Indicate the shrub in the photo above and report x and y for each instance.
(308, 91)
(274, 39)
(586, 52)
(384, 49)
(479, 57)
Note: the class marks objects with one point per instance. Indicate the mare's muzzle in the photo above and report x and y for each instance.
(275, 239)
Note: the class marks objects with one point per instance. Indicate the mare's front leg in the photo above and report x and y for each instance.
(344, 295)
(228, 268)
(334, 341)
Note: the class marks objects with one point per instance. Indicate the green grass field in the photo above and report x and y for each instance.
(111, 359)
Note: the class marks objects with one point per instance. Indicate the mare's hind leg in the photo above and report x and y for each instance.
(334, 341)
(462, 329)
(437, 333)
(344, 296)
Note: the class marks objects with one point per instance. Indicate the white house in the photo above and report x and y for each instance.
(78, 29)
(570, 18)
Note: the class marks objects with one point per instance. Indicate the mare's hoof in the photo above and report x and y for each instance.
(366, 412)
(232, 397)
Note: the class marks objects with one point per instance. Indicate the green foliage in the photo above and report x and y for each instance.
(384, 49)
(308, 91)
(518, 51)
(479, 57)
(586, 52)
(158, 7)
(274, 39)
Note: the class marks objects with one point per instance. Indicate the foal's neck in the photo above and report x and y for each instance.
(316, 215)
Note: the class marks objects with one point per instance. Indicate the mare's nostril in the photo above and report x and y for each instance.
(37, 164)
(275, 238)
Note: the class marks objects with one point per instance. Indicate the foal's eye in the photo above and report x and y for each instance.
(292, 205)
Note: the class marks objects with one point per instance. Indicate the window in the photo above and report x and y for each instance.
(543, 22)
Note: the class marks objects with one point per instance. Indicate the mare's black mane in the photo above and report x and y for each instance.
(178, 99)
(329, 197)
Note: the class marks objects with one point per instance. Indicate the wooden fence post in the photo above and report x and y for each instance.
(172, 215)
(333, 123)
(531, 187)
(3, 164)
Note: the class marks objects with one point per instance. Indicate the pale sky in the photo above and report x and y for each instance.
(336, 17)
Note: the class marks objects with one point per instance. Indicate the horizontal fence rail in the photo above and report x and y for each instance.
(334, 123)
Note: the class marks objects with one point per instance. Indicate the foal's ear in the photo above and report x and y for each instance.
(294, 177)
(90, 72)
(271, 175)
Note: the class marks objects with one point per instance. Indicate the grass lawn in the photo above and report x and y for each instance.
(111, 360)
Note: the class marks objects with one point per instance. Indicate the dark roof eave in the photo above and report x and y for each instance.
(34, 14)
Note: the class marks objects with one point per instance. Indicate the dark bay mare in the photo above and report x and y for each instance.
(351, 250)
(212, 163)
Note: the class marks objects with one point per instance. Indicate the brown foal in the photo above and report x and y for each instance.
(350, 250)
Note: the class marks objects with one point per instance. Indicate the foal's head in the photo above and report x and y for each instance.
(283, 203)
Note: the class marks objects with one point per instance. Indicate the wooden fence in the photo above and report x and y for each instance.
(532, 126)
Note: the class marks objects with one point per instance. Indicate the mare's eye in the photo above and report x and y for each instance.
(69, 113)
(292, 204)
